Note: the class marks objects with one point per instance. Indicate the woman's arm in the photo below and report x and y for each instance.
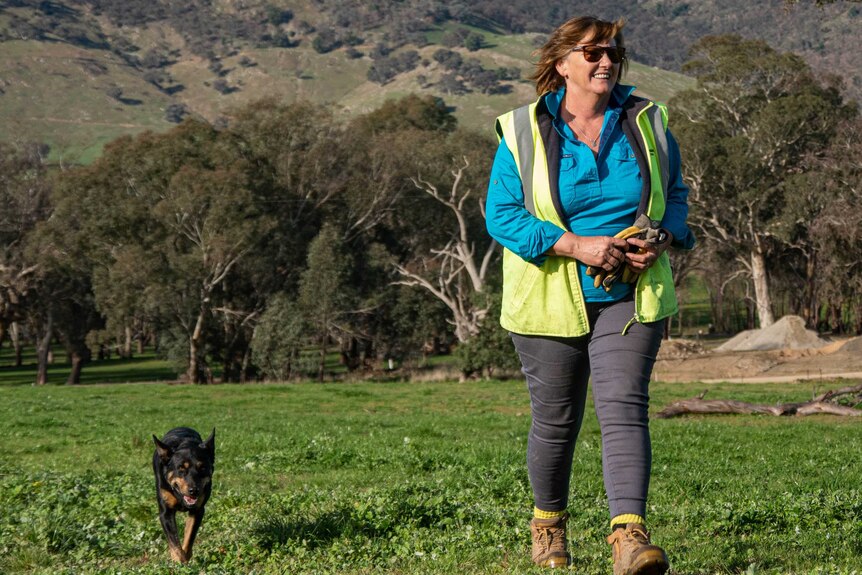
(676, 210)
(506, 218)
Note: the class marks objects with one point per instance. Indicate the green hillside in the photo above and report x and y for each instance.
(77, 98)
(78, 73)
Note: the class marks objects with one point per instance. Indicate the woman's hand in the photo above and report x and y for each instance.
(641, 254)
(604, 252)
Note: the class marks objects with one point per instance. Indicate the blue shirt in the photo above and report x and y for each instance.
(599, 194)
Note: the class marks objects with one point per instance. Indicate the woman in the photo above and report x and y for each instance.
(586, 195)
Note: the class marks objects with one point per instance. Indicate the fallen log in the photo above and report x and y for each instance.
(824, 403)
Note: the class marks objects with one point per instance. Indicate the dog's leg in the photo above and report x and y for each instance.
(193, 523)
(168, 519)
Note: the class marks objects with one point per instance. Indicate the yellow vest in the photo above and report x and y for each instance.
(547, 299)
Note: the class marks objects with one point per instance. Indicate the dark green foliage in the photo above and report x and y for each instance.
(474, 41)
(279, 338)
(221, 86)
(277, 15)
(175, 113)
(384, 69)
(449, 59)
(156, 58)
(451, 84)
(326, 40)
(281, 39)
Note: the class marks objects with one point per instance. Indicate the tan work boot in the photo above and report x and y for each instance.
(634, 554)
(549, 542)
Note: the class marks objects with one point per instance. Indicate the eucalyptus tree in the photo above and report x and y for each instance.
(24, 202)
(744, 129)
(835, 235)
(451, 169)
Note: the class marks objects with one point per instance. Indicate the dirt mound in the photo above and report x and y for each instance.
(787, 333)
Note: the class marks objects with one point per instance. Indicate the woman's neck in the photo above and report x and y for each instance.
(586, 106)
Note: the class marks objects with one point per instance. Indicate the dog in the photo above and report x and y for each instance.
(183, 464)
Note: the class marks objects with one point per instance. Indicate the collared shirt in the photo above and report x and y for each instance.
(599, 193)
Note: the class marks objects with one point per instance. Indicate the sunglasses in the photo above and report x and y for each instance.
(616, 54)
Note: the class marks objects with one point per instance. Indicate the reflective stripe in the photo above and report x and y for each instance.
(659, 128)
(526, 151)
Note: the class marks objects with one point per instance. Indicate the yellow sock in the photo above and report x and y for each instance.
(539, 514)
(627, 518)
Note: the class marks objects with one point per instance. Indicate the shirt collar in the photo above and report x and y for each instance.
(619, 95)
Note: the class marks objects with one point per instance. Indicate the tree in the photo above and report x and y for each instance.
(324, 294)
(754, 114)
(213, 224)
(834, 235)
(457, 269)
(162, 221)
(24, 203)
(279, 337)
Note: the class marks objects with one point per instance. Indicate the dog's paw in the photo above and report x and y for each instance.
(179, 556)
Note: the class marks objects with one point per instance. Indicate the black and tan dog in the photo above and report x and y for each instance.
(183, 464)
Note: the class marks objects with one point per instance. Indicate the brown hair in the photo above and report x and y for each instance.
(573, 32)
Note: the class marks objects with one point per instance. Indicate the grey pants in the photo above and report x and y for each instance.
(557, 372)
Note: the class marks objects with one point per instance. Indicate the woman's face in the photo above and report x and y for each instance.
(583, 76)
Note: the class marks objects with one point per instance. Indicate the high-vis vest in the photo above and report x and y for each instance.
(547, 299)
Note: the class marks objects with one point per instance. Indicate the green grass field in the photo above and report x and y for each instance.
(408, 478)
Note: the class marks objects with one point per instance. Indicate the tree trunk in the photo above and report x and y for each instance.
(75, 375)
(811, 308)
(194, 372)
(761, 289)
(16, 343)
(43, 351)
(322, 364)
(246, 365)
(127, 344)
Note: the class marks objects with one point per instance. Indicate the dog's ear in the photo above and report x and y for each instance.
(163, 450)
(209, 445)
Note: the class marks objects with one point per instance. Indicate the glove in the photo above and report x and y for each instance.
(606, 278)
(644, 229)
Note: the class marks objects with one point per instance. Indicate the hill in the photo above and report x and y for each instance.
(78, 73)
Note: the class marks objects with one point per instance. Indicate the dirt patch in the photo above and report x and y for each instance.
(685, 360)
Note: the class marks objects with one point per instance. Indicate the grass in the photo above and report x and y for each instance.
(408, 478)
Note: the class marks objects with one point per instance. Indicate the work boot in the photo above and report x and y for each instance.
(549, 542)
(634, 554)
